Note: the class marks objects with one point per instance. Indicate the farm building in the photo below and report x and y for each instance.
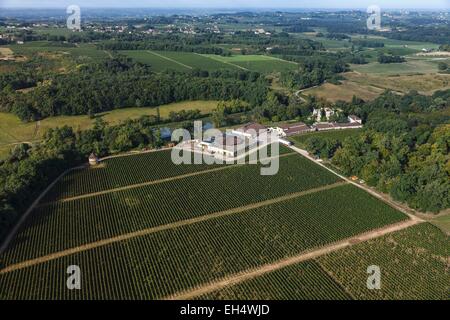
(354, 119)
(327, 112)
(336, 126)
(227, 145)
(93, 160)
(286, 130)
(250, 130)
(354, 125)
(323, 126)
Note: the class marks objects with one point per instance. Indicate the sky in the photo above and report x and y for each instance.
(387, 4)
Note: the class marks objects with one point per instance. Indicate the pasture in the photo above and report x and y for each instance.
(369, 86)
(443, 222)
(422, 83)
(411, 66)
(160, 237)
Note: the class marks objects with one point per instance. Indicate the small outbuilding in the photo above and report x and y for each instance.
(93, 159)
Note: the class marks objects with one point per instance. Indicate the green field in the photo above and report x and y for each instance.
(303, 281)
(406, 46)
(339, 135)
(411, 66)
(259, 63)
(197, 61)
(157, 63)
(184, 61)
(143, 168)
(443, 222)
(149, 206)
(164, 263)
(86, 52)
(241, 226)
(12, 130)
(414, 264)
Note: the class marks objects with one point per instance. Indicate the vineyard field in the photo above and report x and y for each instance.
(414, 264)
(164, 263)
(62, 225)
(120, 172)
(302, 281)
(197, 61)
(157, 63)
(123, 171)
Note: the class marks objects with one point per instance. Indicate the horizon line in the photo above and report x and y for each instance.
(223, 7)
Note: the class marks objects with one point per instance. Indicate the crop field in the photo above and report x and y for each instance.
(198, 61)
(411, 66)
(259, 63)
(143, 168)
(443, 222)
(180, 61)
(339, 135)
(368, 86)
(6, 52)
(345, 91)
(165, 202)
(163, 263)
(155, 240)
(414, 264)
(82, 51)
(389, 44)
(329, 44)
(302, 281)
(422, 83)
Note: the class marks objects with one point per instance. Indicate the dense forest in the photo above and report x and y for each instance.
(313, 71)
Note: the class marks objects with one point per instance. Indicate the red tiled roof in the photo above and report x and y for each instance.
(292, 125)
(252, 125)
(347, 125)
(324, 125)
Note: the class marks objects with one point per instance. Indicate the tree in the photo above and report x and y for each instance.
(442, 66)
(218, 116)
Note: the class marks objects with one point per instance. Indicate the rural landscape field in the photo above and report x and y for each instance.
(225, 154)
